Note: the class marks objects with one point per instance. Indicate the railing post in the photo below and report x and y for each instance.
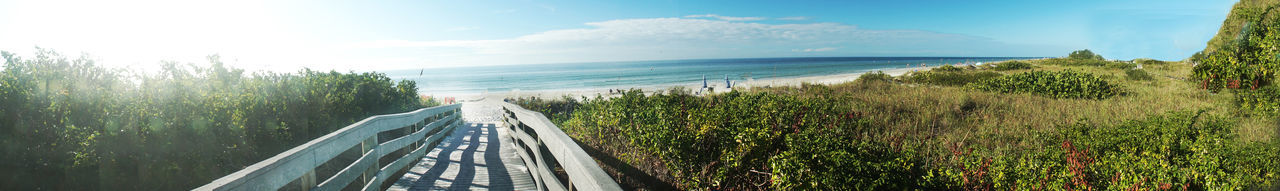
(308, 180)
(366, 146)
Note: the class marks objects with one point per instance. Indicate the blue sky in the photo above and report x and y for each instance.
(382, 35)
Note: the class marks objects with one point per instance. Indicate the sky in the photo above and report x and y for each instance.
(387, 35)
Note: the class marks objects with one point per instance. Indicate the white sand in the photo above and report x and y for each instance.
(716, 84)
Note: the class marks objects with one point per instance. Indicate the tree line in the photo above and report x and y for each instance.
(68, 123)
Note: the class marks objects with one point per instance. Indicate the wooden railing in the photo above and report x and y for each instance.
(554, 160)
(422, 128)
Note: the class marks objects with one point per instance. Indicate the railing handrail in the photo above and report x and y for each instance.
(301, 161)
(582, 170)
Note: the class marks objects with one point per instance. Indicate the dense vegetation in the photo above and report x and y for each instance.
(1012, 65)
(1059, 84)
(1242, 14)
(1243, 56)
(71, 124)
(1264, 101)
(1181, 150)
(884, 133)
(945, 77)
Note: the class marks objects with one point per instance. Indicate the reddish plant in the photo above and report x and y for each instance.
(973, 179)
(1077, 162)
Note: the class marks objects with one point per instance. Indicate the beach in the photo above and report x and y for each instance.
(716, 84)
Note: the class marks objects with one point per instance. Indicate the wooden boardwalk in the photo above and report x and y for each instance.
(476, 156)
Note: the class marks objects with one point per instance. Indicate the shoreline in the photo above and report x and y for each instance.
(694, 87)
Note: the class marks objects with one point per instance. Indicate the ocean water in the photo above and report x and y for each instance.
(650, 74)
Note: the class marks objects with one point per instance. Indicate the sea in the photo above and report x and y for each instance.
(651, 74)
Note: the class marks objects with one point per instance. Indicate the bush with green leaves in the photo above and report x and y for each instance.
(947, 68)
(1243, 59)
(1178, 150)
(1137, 74)
(837, 159)
(1263, 101)
(1121, 65)
(71, 124)
(556, 110)
(874, 76)
(1084, 55)
(1012, 65)
(1149, 62)
(1055, 84)
(949, 78)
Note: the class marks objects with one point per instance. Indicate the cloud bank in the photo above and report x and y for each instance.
(693, 37)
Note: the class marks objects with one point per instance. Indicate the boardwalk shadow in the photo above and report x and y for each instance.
(466, 164)
(493, 159)
(474, 136)
(442, 161)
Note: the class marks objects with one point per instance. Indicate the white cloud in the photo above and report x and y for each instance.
(793, 18)
(727, 18)
(684, 38)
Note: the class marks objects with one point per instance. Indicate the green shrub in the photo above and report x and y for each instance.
(1084, 55)
(556, 110)
(1149, 62)
(950, 78)
(1012, 65)
(1178, 150)
(717, 141)
(1137, 74)
(1058, 84)
(1121, 65)
(947, 68)
(831, 159)
(874, 76)
(1245, 59)
(1264, 101)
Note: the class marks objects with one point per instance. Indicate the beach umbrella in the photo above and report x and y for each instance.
(726, 82)
(704, 81)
